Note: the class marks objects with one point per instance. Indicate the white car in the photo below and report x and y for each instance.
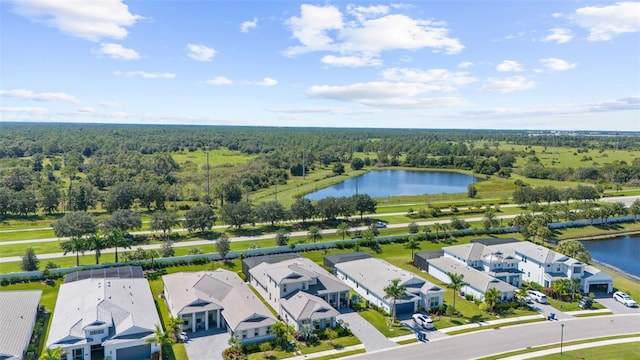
(423, 321)
(380, 224)
(624, 299)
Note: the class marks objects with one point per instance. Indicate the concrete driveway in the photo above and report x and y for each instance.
(371, 338)
(207, 344)
(616, 307)
(428, 334)
(546, 309)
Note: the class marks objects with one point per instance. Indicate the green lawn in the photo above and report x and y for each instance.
(570, 305)
(383, 324)
(625, 351)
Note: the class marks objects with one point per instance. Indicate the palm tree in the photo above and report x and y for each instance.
(427, 231)
(491, 298)
(394, 291)
(152, 254)
(76, 245)
(575, 288)
(457, 283)
(140, 254)
(174, 325)
(314, 234)
(412, 244)
(343, 229)
(437, 227)
(159, 337)
(489, 220)
(52, 354)
(96, 243)
(117, 238)
(634, 209)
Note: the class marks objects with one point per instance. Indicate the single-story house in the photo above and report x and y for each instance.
(478, 281)
(330, 261)
(300, 309)
(108, 316)
(369, 277)
(18, 312)
(218, 299)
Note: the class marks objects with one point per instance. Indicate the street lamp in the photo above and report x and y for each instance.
(561, 336)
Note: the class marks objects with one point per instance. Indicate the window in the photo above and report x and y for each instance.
(434, 301)
(256, 332)
(78, 354)
(96, 332)
(316, 325)
(244, 334)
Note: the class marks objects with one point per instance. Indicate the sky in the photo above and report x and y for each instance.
(549, 65)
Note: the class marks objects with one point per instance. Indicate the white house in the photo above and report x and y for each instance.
(544, 266)
(478, 281)
(300, 309)
(18, 312)
(491, 261)
(369, 277)
(218, 299)
(113, 317)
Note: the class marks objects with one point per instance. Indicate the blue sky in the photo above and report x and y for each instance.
(558, 65)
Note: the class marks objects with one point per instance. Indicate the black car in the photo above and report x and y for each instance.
(585, 303)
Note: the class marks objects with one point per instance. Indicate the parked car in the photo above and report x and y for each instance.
(538, 296)
(423, 321)
(585, 303)
(624, 299)
(380, 224)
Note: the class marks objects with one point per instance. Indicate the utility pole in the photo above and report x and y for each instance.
(208, 183)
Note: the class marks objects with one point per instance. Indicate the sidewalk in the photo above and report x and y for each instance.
(571, 348)
(579, 312)
(327, 352)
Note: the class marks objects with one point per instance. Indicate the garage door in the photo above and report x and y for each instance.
(140, 352)
(598, 288)
(405, 308)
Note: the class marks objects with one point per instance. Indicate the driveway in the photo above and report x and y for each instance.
(428, 334)
(207, 344)
(546, 309)
(371, 338)
(614, 306)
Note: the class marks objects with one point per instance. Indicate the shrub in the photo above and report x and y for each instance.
(468, 297)
(199, 261)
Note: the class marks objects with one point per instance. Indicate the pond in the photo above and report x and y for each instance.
(383, 183)
(622, 252)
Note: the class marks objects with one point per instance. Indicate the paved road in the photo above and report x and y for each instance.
(484, 343)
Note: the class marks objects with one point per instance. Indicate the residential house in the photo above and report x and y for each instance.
(278, 282)
(18, 312)
(478, 281)
(300, 310)
(218, 299)
(487, 259)
(104, 317)
(369, 277)
(544, 266)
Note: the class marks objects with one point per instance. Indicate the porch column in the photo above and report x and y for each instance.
(193, 322)
(206, 319)
(218, 319)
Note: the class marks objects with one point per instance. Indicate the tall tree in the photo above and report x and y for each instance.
(394, 291)
(491, 298)
(76, 224)
(364, 203)
(96, 243)
(76, 245)
(199, 217)
(457, 282)
(29, 260)
(223, 245)
(344, 229)
(282, 237)
(634, 209)
(161, 338)
(314, 234)
(270, 212)
(123, 220)
(237, 213)
(118, 239)
(302, 209)
(413, 244)
(164, 221)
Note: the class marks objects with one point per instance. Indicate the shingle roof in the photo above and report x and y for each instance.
(376, 274)
(532, 251)
(476, 279)
(306, 306)
(126, 303)
(18, 310)
(219, 289)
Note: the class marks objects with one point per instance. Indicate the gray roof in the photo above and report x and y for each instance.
(296, 270)
(18, 310)
(376, 274)
(591, 273)
(476, 279)
(342, 257)
(302, 305)
(120, 272)
(471, 251)
(219, 289)
(535, 252)
(126, 304)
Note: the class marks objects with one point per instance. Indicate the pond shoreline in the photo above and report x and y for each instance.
(601, 237)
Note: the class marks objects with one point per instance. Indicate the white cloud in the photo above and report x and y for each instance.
(265, 82)
(605, 22)
(351, 61)
(220, 80)
(245, 26)
(437, 79)
(465, 64)
(117, 51)
(200, 52)
(509, 65)
(108, 104)
(371, 31)
(29, 111)
(559, 35)
(87, 110)
(145, 75)
(555, 64)
(508, 85)
(46, 96)
(384, 94)
(91, 20)
(556, 15)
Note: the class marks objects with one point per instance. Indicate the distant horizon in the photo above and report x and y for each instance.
(567, 66)
(545, 131)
